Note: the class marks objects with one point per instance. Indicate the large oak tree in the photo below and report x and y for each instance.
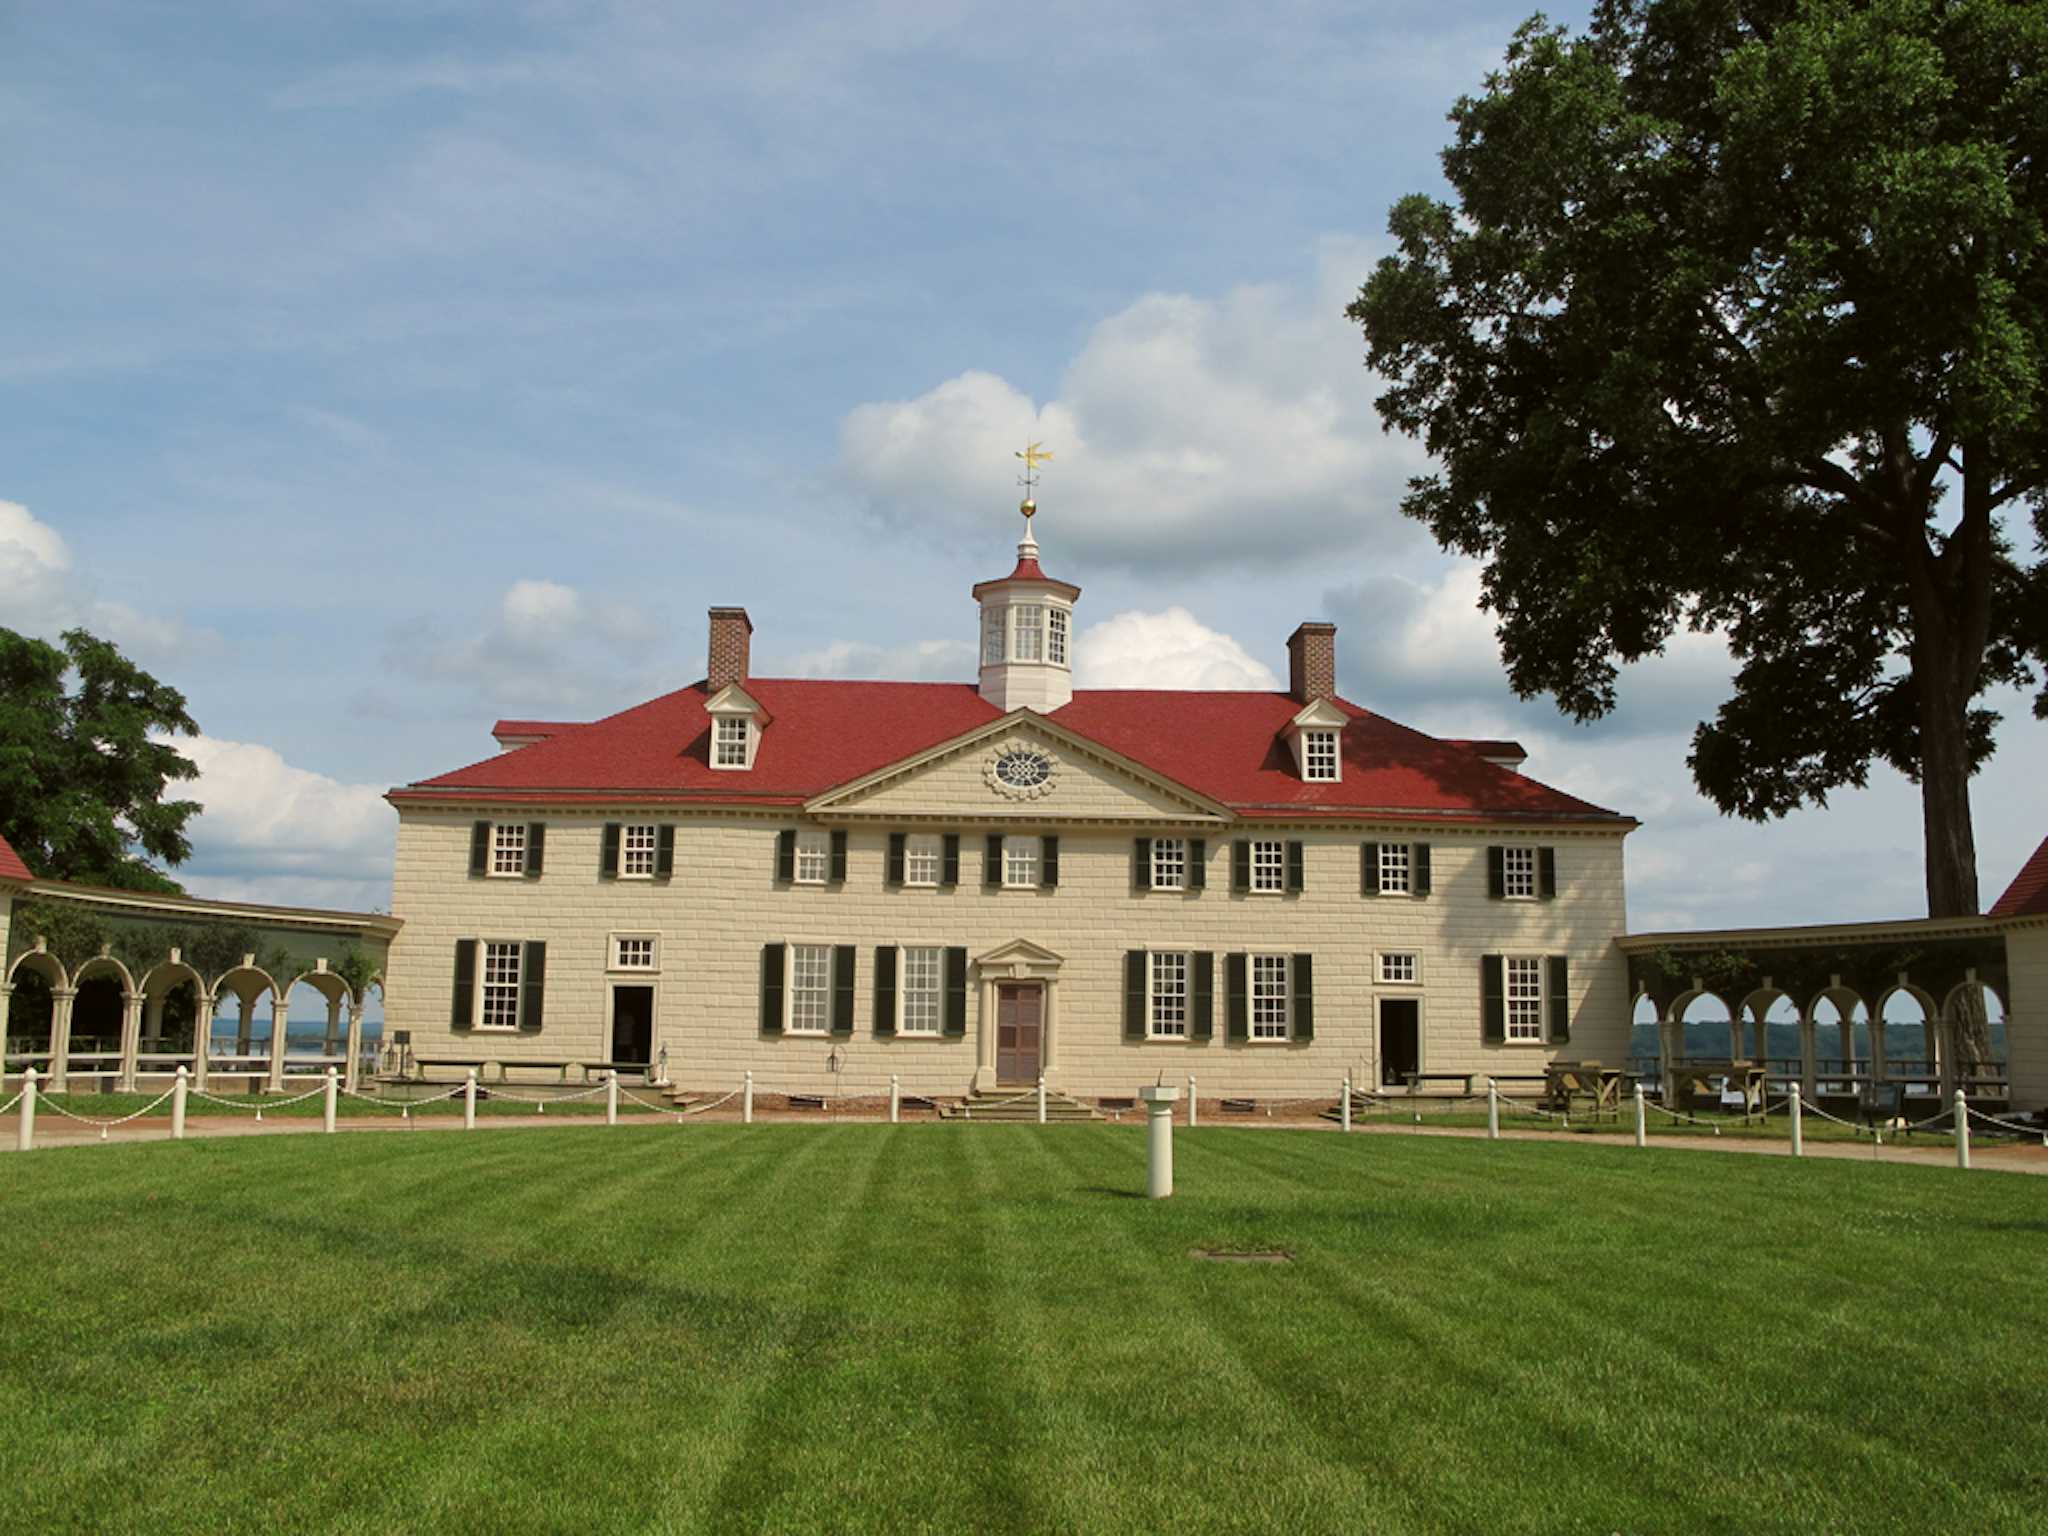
(1739, 321)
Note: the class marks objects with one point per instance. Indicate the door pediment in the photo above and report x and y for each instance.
(1019, 960)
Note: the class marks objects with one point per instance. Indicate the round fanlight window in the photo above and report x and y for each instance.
(1023, 773)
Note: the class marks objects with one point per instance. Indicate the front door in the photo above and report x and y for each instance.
(1400, 1040)
(632, 1025)
(1019, 1030)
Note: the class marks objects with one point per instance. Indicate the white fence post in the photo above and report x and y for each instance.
(25, 1135)
(895, 1099)
(327, 1102)
(178, 1106)
(1344, 1115)
(1798, 1126)
(1041, 1098)
(1962, 1130)
(611, 1099)
(1492, 1110)
(469, 1101)
(747, 1100)
(1642, 1119)
(1191, 1101)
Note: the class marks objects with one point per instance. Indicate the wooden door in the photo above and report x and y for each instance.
(1019, 1029)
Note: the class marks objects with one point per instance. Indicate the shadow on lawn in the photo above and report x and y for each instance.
(1114, 1194)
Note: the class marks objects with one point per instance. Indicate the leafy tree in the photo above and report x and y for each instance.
(82, 780)
(1740, 321)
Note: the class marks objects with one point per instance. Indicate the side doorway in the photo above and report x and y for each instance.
(1400, 1040)
(632, 1033)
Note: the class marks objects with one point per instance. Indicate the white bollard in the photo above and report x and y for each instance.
(1158, 1102)
(1798, 1128)
(25, 1133)
(895, 1099)
(1191, 1101)
(1492, 1110)
(747, 1100)
(1041, 1098)
(611, 1099)
(1642, 1119)
(1345, 1113)
(1962, 1130)
(469, 1101)
(327, 1103)
(178, 1106)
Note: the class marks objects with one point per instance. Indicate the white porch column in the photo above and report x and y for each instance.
(277, 1034)
(131, 1040)
(61, 999)
(1048, 1031)
(985, 1050)
(355, 1046)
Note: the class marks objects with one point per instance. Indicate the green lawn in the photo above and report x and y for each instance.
(953, 1328)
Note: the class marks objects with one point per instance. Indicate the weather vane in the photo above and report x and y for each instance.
(1034, 454)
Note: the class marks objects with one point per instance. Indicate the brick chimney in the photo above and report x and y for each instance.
(1312, 662)
(731, 638)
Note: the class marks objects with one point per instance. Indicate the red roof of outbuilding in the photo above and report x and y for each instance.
(11, 867)
(2027, 896)
(1229, 747)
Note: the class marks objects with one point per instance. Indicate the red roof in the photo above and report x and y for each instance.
(1229, 747)
(11, 867)
(2027, 896)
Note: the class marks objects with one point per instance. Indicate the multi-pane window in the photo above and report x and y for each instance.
(1020, 861)
(1525, 998)
(1399, 969)
(1269, 866)
(921, 859)
(1395, 866)
(636, 852)
(1319, 754)
(1518, 871)
(918, 987)
(1169, 994)
(813, 857)
(1269, 997)
(730, 736)
(810, 988)
(1169, 863)
(992, 620)
(500, 1002)
(1056, 636)
(633, 953)
(508, 848)
(1030, 616)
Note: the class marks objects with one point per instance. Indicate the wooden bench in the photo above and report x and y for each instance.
(466, 1063)
(1462, 1079)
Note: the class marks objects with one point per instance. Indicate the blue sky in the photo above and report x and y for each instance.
(377, 370)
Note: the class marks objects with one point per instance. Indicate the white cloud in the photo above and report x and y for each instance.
(1173, 649)
(1187, 431)
(41, 595)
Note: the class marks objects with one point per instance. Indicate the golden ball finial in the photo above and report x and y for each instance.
(1028, 507)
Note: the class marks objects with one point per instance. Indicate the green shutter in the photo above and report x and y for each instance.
(1559, 986)
(1297, 866)
(1240, 865)
(1493, 999)
(893, 874)
(609, 870)
(773, 957)
(1134, 994)
(838, 858)
(885, 989)
(785, 855)
(992, 861)
(536, 848)
(1418, 868)
(1202, 1002)
(1497, 872)
(1048, 862)
(1368, 869)
(842, 988)
(480, 848)
(665, 853)
(533, 981)
(1546, 873)
(462, 1014)
(1304, 989)
(1237, 1025)
(1198, 864)
(1141, 864)
(949, 874)
(956, 991)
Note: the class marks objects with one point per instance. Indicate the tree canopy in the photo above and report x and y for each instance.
(1739, 321)
(83, 772)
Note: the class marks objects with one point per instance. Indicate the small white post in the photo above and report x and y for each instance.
(469, 1101)
(1798, 1127)
(1191, 1101)
(1492, 1110)
(1962, 1130)
(178, 1106)
(895, 1099)
(747, 1100)
(1158, 1102)
(1642, 1119)
(25, 1135)
(611, 1099)
(1345, 1112)
(327, 1102)
(1041, 1098)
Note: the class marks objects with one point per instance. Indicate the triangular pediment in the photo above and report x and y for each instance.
(1022, 767)
(1321, 715)
(1019, 952)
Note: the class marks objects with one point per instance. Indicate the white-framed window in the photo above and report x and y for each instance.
(1400, 968)
(921, 858)
(1020, 861)
(498, 1005)
(1525, 997)
(633, 952)
(1319, 755)
(810, 989)
(508, 848)
(1168, 1012)
(920, 980)
(1056, 636)
(1269, 866)
(1169, 863)
(992, 622)
(1030, 617)
(1270, 996)
(1518, 871)
(1396, 869)
(813, 857)
(731, 735)
(636, 852)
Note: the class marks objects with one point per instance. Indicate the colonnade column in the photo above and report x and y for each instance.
(153, 1023)
(6, 1001)
(1809, 1052)
(245, 1010)
(355, 1047)
(131, 1040)
(333, 1025)
(202, 1035)
(61, 999)
(277, 1038)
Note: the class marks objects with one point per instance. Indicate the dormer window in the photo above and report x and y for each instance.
(732, 738)
(1317, 736)
(1319, 756)
(736, 725)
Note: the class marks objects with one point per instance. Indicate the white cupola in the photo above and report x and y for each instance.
(1027, 633)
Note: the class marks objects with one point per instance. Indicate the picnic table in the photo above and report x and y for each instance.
(1703, 1084)
(1568, 1084)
